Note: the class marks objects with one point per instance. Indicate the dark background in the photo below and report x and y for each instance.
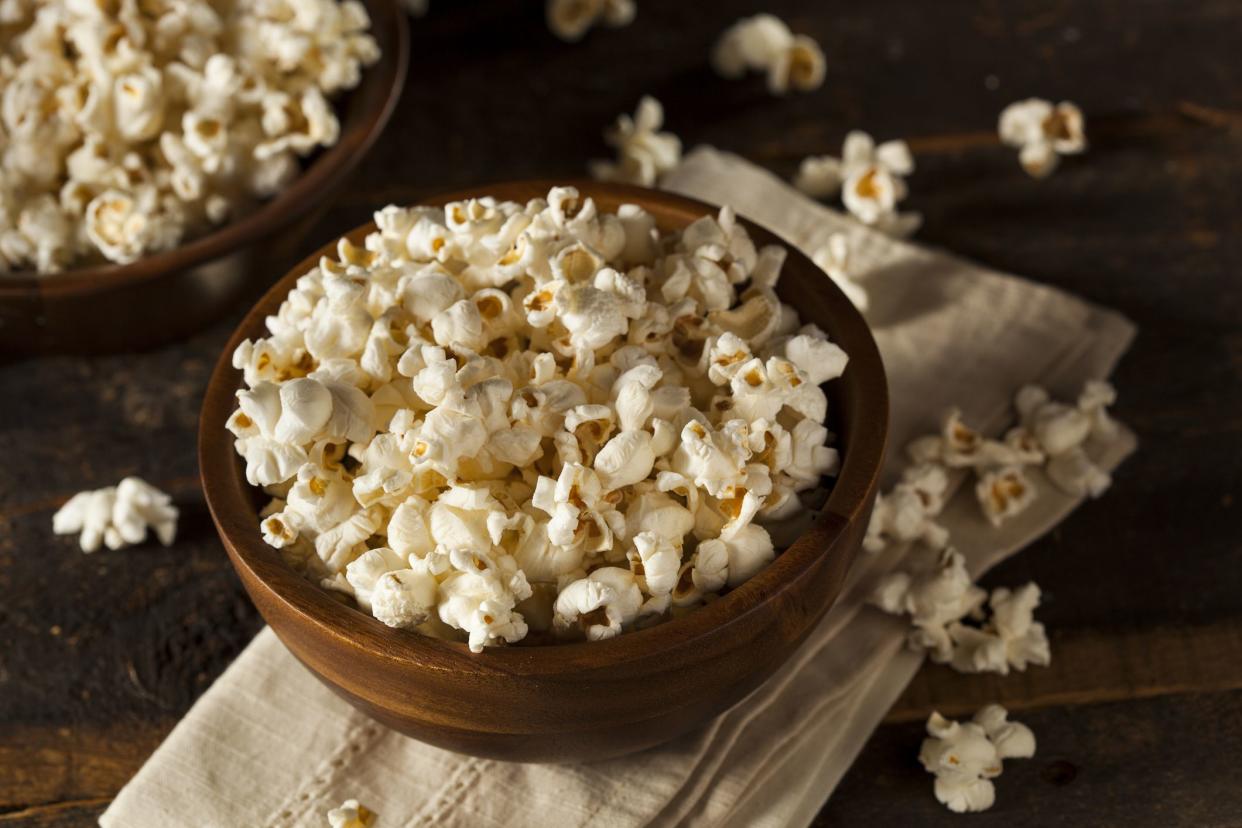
(1139, 717)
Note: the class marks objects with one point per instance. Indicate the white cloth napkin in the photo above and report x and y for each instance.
(268, 745)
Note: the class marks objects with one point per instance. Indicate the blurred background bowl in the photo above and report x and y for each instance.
(574, 701)
(169, 295)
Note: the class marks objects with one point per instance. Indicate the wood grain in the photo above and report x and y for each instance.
(1149, 221)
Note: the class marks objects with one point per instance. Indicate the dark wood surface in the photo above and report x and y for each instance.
(1139, 717)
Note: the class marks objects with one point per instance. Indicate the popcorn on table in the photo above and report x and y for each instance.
(126, 128)
(871, 180)
(351, 814)
(1043, 132)
(764, 43)
(570, 20)
(497, 418)
(117, 516)
(966, 757)
(643, 152)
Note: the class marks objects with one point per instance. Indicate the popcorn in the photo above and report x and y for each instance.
(1043, 133)
(934, 600)
(833, 259)
(126, 132)
(351, 814)
(570, 20)
(643, 152)
(407, 598)
(1011, 637)
(1003, 493)
(905, 514)
(117, 516)
(871, 180)
(598, 605)
(764, 43)
(965, 758)
(491, 417)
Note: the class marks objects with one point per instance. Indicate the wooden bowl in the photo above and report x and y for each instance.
(171, 294)
(574, 701)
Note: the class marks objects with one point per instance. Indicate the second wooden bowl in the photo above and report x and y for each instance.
(171, 294)
(583, 701)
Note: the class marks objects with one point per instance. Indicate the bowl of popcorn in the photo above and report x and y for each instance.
(147, 148)
(546, 473)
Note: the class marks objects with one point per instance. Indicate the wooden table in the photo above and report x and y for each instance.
(1139, 718)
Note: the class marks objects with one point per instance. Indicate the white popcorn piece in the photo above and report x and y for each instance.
(833, 259)
(599, 605)
(1003, 493)
(489, 417)
(644, 153)
(351, 814)
(764, 43)
(656, 560)
(570, 20)
(871, 180)
(117, 516)
(934, 600)
(905, 514)
(1011, 638)
(965, 758)
(405, 598)
(1042, 132)
(1074, 473)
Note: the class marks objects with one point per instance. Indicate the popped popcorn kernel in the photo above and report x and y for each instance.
(1043, 132)
(966, 757)
(117, 516)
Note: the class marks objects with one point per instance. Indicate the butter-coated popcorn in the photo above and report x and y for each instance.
(130, 127)
(491, 409)
(870, 178)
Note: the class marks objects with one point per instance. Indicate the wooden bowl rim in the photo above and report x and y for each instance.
(229, 496)
(325, 172)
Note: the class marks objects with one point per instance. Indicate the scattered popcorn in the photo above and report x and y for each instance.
(643, 152)
(497, 417)
(764, 43)
(1043, 132)
(833, 258)
(870, 178)
(965, 758)
(570, 20)
(940, 599)
(905, 514)
(117, 516)
(130, 127)
(1010, 638)
(1061, 431)
(935, 599)
(351, 814)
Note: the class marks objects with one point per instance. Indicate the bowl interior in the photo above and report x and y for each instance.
(858, 415)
